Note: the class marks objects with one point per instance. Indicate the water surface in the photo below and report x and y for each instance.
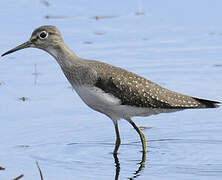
(176, 44)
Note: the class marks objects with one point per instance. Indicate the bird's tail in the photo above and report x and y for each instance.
(207, 103)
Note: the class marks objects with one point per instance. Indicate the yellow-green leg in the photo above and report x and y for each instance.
(118, 140)
(142, 136)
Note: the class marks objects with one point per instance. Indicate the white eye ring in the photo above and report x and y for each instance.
(43, 35)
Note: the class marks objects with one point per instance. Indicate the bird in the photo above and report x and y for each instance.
(113, 91)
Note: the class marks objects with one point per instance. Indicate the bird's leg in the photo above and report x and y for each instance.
(142, 136)
(118, 141)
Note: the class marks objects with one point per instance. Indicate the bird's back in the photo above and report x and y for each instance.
(137, 91)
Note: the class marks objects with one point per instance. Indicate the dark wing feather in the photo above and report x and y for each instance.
(127, 96)
(135, 90)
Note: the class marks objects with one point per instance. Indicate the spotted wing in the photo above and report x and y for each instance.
(137, 91)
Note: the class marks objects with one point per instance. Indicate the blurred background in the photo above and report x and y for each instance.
(177, 44)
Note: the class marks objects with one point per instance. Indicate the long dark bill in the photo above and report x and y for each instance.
(22, 46)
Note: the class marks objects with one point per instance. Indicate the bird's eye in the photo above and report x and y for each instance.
(43, 35)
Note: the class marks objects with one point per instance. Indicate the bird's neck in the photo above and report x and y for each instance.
(64, 56)
(75, 68)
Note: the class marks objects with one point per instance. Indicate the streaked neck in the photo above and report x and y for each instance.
(64, 56)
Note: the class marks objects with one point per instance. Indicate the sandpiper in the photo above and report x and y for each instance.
(111, 90)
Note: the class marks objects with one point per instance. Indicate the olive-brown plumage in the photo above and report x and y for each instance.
(135, 90)
(108, 89)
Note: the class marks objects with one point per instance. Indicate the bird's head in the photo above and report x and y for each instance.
(44, 37)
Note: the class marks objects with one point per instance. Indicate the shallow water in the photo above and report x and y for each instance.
(176, 44)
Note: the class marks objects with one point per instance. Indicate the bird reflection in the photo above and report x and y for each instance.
(137, 171)
(36, 74)
(117, 164)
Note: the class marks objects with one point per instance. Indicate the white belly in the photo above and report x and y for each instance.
(97, 99)
(106, 103)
